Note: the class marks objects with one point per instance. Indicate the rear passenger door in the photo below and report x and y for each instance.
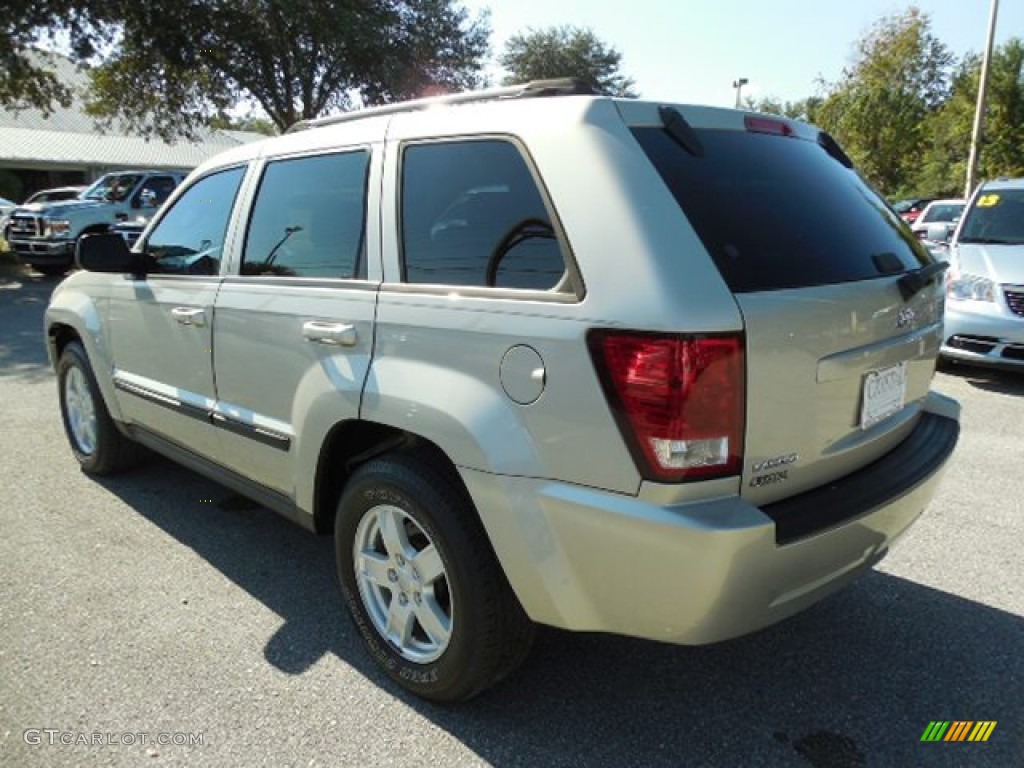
(294, 325)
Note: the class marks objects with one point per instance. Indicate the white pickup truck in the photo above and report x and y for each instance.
(44, 235)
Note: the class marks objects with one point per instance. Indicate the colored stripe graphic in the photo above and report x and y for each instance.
(958, 730)
(982, 730)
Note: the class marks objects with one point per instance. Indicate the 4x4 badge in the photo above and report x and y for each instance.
(905, 317)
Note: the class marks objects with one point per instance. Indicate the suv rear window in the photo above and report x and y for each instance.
(778, 212)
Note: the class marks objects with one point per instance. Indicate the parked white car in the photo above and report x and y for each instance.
(946, 211)
(984, 321)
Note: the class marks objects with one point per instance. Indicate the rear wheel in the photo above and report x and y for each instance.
(95, 440)
(422, 584)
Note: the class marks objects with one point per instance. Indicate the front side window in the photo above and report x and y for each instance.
(309, 218)
(114, 187)
(189, 239)
(472, 215)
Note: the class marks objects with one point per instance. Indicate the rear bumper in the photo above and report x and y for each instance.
(586, 559)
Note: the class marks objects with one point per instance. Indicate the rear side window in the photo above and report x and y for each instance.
(472, 215)
(778, 212)
(308, 218)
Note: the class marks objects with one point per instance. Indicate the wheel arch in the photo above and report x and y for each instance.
(350, 444)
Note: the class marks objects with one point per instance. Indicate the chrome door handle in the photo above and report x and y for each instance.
(189, 315)
(335, 334)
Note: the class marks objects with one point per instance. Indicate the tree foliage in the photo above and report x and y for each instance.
(169, 66)
(564, 51)
(802, 109)
(943, 166)
(179, 62)
(879, 108)
(25, 79)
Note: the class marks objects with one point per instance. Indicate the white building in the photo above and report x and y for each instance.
(66, 146)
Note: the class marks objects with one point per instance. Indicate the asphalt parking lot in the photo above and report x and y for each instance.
(157, 606)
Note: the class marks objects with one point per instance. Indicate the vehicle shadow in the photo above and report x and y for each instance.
(853, 682)
(997, 380)
(23, 298)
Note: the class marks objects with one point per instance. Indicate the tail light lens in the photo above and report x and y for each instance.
(679, 400)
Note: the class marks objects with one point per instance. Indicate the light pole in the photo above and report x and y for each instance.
(979, 113)
(738, 85)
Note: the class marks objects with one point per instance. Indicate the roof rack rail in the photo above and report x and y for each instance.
(566, 86)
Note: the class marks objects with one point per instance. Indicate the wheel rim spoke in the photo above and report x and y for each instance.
(428, 564)
(392, 531)
(400, 623)
(374, 567)
(434, 621)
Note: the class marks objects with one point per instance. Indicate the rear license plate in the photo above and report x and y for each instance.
(885, 392)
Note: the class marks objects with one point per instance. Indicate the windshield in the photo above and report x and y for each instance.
(995, 217)
(943, 212)
(115, 187)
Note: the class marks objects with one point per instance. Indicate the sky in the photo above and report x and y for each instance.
(691, 51)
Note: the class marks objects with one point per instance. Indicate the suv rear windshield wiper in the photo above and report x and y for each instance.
(916, 279)
(682, 132)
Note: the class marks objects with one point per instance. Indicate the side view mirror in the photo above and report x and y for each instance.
(107, 252)
(939, 233)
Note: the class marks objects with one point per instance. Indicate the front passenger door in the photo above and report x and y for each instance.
(161, 324)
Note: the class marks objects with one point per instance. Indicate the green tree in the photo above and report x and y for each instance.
(564, 51)
(179, 62)
(25, 79)
(878, 109)
(802, 109)
(943, 166)
(167, 67)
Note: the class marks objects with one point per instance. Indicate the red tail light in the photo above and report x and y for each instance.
(679, 400)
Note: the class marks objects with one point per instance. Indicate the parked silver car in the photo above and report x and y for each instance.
(985, 298)
(517, 354)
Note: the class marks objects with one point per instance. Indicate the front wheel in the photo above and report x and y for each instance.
(421, 582)
(95, 440)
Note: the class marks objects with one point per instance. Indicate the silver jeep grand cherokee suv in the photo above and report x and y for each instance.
(533, 356)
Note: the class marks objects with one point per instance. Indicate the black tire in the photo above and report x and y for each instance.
(103, 449)
(489, 634)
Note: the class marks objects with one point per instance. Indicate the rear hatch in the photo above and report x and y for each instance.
(842, 306)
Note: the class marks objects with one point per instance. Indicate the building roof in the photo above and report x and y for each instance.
(68, 136)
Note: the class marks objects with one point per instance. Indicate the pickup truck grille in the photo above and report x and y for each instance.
(1015, 300)
(25, 226)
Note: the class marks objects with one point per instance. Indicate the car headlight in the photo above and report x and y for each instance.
(58, 227)
(967, 287)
